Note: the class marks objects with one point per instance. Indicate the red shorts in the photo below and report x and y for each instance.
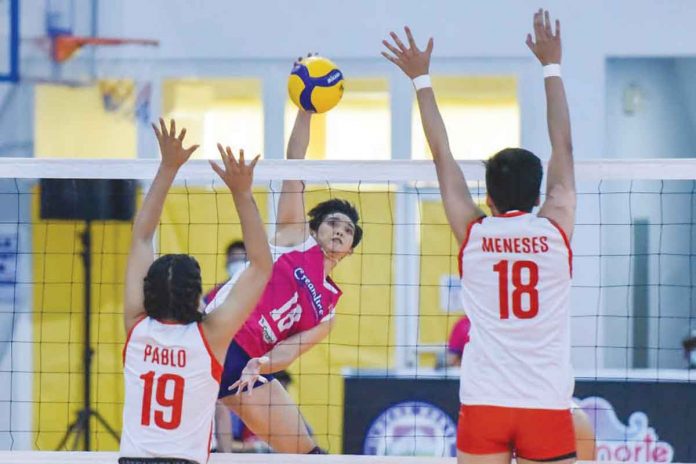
(534, 434)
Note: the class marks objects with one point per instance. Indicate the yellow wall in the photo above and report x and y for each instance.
(481, 113)
(438, 258)
(70, 122)
(58, 327)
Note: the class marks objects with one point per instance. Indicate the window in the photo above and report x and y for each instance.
(482, 116)
(227, 111)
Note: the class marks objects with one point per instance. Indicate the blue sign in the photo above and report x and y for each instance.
(412, 428)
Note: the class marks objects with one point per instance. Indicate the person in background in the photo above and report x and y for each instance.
(235, 259)
(458, 339)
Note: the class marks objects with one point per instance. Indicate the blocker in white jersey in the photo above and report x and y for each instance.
(516, 273)
(516, 376)
(172, 353)
(170, 377)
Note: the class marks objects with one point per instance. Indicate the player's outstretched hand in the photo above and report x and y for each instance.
(250, 375)
(412, 61)
(237, 175)
(546, 45)
(171, 145)
(300, 59)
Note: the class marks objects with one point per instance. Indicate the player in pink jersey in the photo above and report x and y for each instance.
(173, 354)
(458, 339)
(516, 382)
(295, 312)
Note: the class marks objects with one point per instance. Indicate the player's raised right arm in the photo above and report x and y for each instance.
(142, 254)
(460, 207)
(222, 324)
(560, 178)
(291, 225)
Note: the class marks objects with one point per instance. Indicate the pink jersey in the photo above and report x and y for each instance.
(298, 297)
(459, 336)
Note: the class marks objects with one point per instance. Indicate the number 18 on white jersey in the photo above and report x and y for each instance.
(516, 273)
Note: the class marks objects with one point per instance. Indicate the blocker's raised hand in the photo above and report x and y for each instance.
(171, 145)
(546, 45)
(237, 175)
(413, 61)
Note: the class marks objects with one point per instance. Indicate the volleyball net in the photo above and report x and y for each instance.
(383, 381)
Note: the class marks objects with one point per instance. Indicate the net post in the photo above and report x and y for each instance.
(86, 238)
(407, 278)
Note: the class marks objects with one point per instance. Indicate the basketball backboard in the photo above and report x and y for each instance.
(9, 40)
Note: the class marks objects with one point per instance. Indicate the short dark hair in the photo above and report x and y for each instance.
(513, 179)
(323, 209)
(173, 289)
(235, 244)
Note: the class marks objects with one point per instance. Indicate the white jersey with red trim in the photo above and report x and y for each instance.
(172, 381)
(516, 271)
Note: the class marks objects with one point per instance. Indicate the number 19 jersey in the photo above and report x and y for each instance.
(515, 278)
(171, 379)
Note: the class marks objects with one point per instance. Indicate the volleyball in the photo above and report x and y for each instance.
(315, 84)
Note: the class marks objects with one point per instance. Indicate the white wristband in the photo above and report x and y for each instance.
(422, 82)
(552, 70)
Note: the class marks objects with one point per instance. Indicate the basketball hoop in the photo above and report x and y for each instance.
(64, 46)
(122, 96)
(115, 93)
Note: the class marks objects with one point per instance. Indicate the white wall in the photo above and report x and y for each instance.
(662, 124)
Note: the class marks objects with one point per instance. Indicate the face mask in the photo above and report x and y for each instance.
(234, 267)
